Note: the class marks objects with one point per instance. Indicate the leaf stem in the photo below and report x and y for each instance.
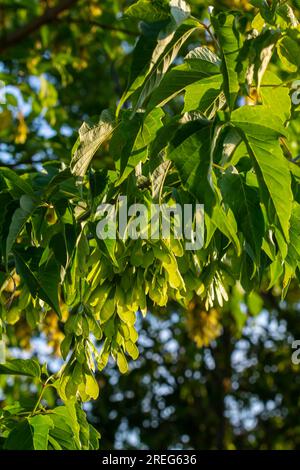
(44, 387)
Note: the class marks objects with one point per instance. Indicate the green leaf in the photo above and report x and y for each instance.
(90, 139)
(173, 83)
(72, 411)
(158, 178)
(233, 147)
(122, 362)
(150, 11)
(226, 223)
(266, 12)
(19, 219)
(106, 246)
(163, 62)
(65, 345)
(200, 63)
(142, 53)
(65, 430)
(276, 270)
(265, 57)
(124, 137)
(255, 303)
(204, 60)
(163, 56)
(225, 28)
(40, 424)
(276, 95)
(139, 151)
(293, 257)
(180, 10)
(261, 132)
(91, 386)
(204, 96)
(20, 437)
(245, 204)
(193, 161)
(16, 183)
(53, 185)
(286, 12)
(8, 204)
(27, 367)
(94, 438)
(84, 430)
(44, 283)
(132, 350)
(53, 443)
(289, 53)
(88, 435)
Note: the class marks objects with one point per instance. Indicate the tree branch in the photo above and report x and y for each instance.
(22, 33)
(107, 27)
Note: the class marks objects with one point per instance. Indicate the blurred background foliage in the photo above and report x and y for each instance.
(222, 379)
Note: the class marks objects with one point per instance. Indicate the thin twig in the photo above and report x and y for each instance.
(107, 27)
(22, 33)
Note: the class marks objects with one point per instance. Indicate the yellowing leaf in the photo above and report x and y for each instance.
(91, 387)
(122, 363)
(22, 130)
